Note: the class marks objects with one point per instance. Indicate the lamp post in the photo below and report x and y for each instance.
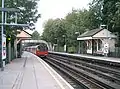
(56, 44)
(64, 43)
(78, 33)
(3, 38)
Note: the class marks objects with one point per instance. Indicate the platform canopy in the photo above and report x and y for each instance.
(23, 35)
(96, 34)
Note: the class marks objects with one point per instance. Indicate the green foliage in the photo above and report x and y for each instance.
(108, 12)
(36, 35)
(28, 14)
(54, 29)
(28, 10)
(100, 12)
(111, 13)
(71, 49)
(76, 21)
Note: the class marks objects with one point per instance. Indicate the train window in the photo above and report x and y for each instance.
(42, 47)
(38, 49)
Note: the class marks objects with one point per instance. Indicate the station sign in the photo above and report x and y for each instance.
(106, 48)
(3, 46)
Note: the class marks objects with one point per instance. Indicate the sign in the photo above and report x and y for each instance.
(106, 45)
(106, 48)
(3, 47)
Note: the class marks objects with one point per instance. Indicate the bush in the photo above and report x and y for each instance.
(71, 50)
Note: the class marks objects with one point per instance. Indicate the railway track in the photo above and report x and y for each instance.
(113, 74)
(88, 75)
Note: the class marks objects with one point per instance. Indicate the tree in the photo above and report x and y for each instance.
(79, 21)
(109, 13)
(48, 33)
(28, 14)
(76, 21)
(36, 35)
(54, 29)
(28, 10)
(96, 9)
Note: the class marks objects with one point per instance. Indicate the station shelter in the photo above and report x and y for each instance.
(97, 42)
(23, 35)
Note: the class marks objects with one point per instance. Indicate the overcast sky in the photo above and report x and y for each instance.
(57, 9)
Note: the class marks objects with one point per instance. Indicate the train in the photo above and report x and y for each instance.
(40, 50)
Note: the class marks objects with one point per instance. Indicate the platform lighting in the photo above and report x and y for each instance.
(9, 38)
(55, 40)
(56, 43)
(64, 38)
(64, 43)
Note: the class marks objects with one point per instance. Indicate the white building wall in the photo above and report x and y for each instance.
(107, 37)
(111, 43)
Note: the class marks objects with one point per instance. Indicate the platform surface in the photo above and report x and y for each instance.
(110, 59)
(31, 72)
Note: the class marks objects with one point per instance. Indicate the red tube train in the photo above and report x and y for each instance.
(40, 50)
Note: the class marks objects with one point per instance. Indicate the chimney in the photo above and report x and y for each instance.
(103, 27)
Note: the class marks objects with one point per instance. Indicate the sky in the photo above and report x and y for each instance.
(57, 9)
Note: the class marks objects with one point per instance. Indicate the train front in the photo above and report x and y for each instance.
(42, 50)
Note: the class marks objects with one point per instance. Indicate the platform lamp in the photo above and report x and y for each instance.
(9, 38)
(64, 43)
(9, 48)
(56, 44)
(78, 33)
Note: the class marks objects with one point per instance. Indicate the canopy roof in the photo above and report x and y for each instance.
(90, 33)
(96, 34)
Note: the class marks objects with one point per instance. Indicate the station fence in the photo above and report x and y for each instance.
(116, 53)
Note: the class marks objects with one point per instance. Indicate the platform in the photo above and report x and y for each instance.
(107, 59)
(31, 72)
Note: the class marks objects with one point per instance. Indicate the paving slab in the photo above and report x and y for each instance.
(11, 73)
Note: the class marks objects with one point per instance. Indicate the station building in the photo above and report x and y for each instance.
(97, 42)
